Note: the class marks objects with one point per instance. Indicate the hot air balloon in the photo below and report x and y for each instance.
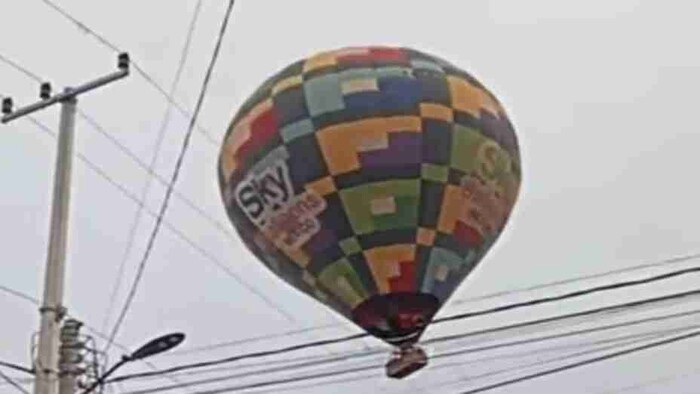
(373, 179)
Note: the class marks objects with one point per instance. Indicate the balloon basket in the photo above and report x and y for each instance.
(405, 361)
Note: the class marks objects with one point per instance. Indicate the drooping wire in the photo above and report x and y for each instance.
(96, 126)
(326, 342)
(16, 367)
(13, 383)
(91, 329)
(305, 362)
(621, 341)
(624, 340)
(161, 180)
(140, 203)
(19, 68)
(80, 25)
(576, 294)
(665, 262)
(367, 368)
(482, 360)
(448, 354)
(131, 237)
(136, 66)
(19, 294)
(173, 229)
(648, 383)
(638, 267)
(589, 361)
(178, 166)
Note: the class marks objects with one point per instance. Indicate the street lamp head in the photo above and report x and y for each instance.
(158, 345)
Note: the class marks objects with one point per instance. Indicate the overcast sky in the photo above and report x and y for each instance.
(602, 93)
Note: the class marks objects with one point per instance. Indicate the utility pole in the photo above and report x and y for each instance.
(70, 362)
(52, 310)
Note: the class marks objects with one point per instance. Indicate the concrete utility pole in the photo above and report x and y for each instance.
(70, 362)
(52, 310)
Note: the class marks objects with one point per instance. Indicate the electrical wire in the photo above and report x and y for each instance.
(589, 361)
(260, 338)
(13, 383)
(175, 193)
(175, 175)
(16, 367)
(666, 262)
(618, 342)
(161, 180)
(364, 368)
(136, 66)
(299, 363)
(16, 293)
(327, 360)
(485, 312)
(655, 382)
(20, 68)
(326, 342)
(96, 126)
(638, 267)
(131, 237)
(173, 229)
(92, 330)
(287, 368)
(575, 294)
(471, 361)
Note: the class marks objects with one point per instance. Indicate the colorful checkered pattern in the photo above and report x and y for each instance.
(400, 170)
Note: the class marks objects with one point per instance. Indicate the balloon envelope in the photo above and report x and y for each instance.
(373, 179)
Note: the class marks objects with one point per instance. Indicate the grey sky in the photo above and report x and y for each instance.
(602, 94)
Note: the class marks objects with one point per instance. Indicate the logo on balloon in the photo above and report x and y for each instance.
(267, 197)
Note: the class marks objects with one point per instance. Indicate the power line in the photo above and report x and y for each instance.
(364, 368)
(580, 332)
(19, 294)
(80, 25)
(250, 340)
(141, 164)
(618, 342)
(665, 262)
(178, 166)
(326, 342)
(13, 383)
(133, 157)
(305, 362)
(655, 382)
(609, 356)
(20, 68)
(140, 203)
(94, 331)
(173, 229)
(472, 350)
(151, 166)
(16, 367)
(576, 294)
(479, 360)
(171, 100)
(653, 264)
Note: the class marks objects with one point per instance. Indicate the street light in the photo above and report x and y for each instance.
(151, 348)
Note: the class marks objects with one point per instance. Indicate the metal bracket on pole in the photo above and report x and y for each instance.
(11, 114)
